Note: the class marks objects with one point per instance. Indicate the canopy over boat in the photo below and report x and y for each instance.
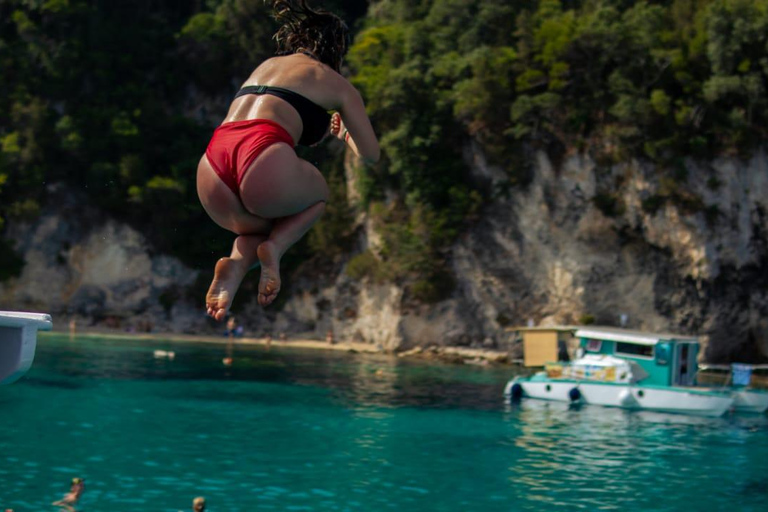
(627, 336)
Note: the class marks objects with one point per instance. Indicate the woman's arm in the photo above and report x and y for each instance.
(354, 127)
(339, 131)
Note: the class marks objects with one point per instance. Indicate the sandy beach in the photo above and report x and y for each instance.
(457, 355)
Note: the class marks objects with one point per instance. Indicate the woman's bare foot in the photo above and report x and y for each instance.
(227, 277)
(229, 273)
(269, 281)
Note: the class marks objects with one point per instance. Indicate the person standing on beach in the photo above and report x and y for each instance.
(231, 333)
(72, 328)
(233, 329)
(250, 180)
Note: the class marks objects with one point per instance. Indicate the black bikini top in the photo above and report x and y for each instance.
(313, 116)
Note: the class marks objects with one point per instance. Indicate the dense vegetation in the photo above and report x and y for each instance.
(616, 78)
(111, 97)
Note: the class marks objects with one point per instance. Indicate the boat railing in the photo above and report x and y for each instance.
(740, 375)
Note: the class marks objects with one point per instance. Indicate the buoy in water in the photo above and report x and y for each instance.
(164, 354)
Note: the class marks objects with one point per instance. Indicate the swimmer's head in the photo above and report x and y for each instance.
(76, 481)
(198, 504)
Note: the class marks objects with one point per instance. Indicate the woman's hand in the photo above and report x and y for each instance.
(337, 127)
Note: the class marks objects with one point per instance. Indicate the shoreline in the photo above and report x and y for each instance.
(222, 340)
(454, 355)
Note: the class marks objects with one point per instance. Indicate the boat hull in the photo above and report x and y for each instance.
(18, 339)
(637, 397)
(750, 401)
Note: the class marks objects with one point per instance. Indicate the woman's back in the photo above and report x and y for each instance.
(299, 73)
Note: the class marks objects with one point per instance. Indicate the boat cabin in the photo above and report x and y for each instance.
(542, 345)
(668, 359)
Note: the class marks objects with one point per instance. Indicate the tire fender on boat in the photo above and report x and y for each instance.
(574, 394)
(516, 393)
(625, 398)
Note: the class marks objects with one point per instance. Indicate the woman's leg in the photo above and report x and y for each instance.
(63, 505)
(224, 207)
(278, 185)
(287, 231)
(281, 186)
(229, 273)
(228, 212)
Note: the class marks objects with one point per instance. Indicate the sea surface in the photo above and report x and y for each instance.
(293, 430)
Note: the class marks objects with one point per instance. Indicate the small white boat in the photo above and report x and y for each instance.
(627, 369)
(18, 340)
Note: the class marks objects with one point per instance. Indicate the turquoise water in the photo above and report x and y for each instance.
(301, 431)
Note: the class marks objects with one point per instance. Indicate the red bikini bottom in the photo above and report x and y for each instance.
(235, 145)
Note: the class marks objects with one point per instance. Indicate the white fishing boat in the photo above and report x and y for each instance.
(628, 369)
(18, 340)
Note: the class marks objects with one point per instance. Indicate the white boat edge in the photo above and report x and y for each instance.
(18, 341)
(634, 397)
(746, 398)
(750, 400)
(41, 321)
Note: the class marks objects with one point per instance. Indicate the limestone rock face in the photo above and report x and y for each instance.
(79, 264)
(549, 253)
(364, 312)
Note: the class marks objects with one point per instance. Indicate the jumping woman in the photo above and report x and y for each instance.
(250, 180)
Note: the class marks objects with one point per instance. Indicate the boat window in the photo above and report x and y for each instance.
(662, 354)
(594, 345)
(632, 349)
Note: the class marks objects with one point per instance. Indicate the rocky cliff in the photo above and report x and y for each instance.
(580, 242)
(80, 264)
(695, 265)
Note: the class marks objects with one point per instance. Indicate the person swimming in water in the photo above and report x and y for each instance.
(70, 499)
(250, 180)
(198, 504)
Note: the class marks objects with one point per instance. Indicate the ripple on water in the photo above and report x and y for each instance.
(62, 469)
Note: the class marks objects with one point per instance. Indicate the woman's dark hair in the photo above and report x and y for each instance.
(316, 31)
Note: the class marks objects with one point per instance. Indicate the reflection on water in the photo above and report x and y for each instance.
(617, 460)
(292, 430)
(371, 379)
